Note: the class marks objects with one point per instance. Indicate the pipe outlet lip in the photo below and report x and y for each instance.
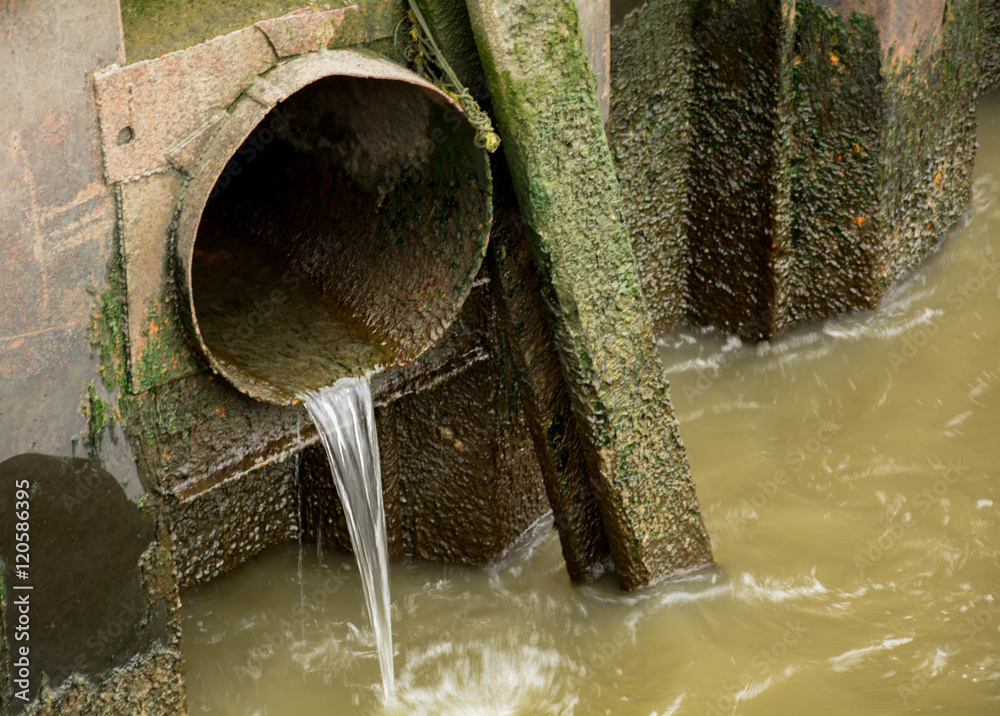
(333, 226)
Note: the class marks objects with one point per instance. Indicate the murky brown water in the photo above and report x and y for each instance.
(849, 476)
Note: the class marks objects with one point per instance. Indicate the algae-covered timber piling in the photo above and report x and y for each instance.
(989, 42)
(784, 162)
(543, 94)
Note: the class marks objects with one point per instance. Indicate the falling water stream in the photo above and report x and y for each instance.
(345, 419)
(849, 474)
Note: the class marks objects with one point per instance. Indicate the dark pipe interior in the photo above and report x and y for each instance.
(343, 236)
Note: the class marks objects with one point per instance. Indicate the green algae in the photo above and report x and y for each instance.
(544, 96)
(156, 27)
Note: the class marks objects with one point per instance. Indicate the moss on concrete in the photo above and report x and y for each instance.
(108, 329)
(156, 27)
(166, 351)
(927, 142)
(149, 685)
(100, 416)
(544, 96)
(826, 160)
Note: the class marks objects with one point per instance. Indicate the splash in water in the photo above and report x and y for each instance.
(345, 419)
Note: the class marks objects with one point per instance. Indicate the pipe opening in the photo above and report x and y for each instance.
(341, 237)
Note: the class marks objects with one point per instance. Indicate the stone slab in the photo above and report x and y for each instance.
(650, 132)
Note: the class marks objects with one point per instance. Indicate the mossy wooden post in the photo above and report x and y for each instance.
(524, 335)
(989, 52)
(544, 97)
(650, 131)
(785, 161)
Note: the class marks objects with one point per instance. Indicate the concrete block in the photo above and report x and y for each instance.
(989, 53)
(650, 133)
(231, 522)
(192, 434)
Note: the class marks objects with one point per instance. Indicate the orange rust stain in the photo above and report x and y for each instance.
(937, 177)
(834, 59)
(859, 220)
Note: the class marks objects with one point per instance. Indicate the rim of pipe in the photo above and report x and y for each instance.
(259, 99)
